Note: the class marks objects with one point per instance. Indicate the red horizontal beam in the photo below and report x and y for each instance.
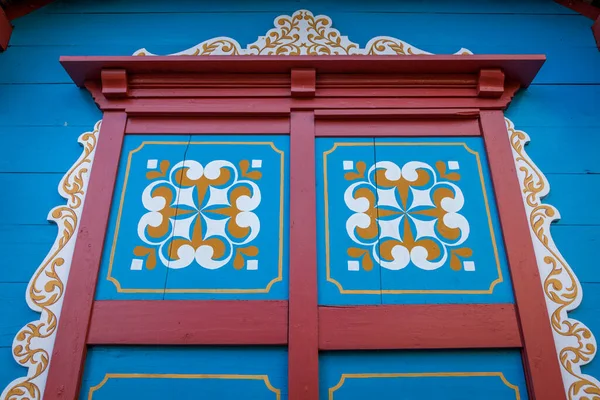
(395, 113)
(207, 125)
(520, 68)
(403, 128)
(423, 326)
(282, 106)
(178, 322)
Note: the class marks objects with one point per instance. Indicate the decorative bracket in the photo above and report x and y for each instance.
(114, 83)
(304, 83)
(490, 83)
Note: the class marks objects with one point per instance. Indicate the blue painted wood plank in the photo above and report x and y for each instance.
(576, 147)
(47, 105)
(14, 310)
(71, 29)
(347, 273)
(579, 246)
(181, 32)
(17, 65)
(588, 313)
(214, 372)
(444, 375)
(575, 196)
(48, 149)
(556, 106)
(24, 247)
(9, 369)
(440, 6)
(27, 205)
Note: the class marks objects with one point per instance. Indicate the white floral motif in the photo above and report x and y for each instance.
(407, 214)
(201, 213)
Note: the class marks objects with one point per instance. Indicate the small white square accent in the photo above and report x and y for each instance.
(252, 265)
(137, 264)
(152, 164)
(453, 165)
(469, 266)
(348, 165)
(256, 163)
(353, 266)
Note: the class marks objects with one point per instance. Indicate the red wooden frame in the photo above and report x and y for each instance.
(305, 97)
(5, 30)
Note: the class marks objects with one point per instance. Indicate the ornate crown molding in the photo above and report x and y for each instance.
(575, 343)
(302, 33)
(33, 344)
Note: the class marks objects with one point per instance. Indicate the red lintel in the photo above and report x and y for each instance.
(397, 122)
(541, 361)
(419, 326)
(519, 68)
(213, 125)
(179, 322)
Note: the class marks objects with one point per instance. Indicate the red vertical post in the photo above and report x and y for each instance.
(303, 338)
(541, 361)
(69, 351)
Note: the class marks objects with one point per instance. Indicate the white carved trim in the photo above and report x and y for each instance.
(33, 344)
(301, 34)
(575, 343)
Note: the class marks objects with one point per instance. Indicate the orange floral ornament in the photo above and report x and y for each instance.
(202, 214)
(406, 215)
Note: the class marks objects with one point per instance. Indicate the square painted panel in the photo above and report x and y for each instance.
(409, 221)
(198, 217)
(115, 373)
(416, 375)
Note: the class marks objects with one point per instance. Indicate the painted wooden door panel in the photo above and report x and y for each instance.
(415, 375)
(197, 217)
(408, 221)
(115, 373)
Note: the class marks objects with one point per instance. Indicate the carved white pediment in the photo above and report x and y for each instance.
(301, 34)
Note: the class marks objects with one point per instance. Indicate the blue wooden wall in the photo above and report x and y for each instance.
(42, 113)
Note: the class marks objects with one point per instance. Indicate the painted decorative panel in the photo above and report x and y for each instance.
(408, 221)
(443, 375)
(150, 373)
(198, 217)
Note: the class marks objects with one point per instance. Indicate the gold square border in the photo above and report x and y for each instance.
(495, 282)
(266, 289)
